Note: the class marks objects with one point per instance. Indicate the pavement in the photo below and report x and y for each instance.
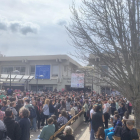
(81, 133)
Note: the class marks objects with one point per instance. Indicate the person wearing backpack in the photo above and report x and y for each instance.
(33, 115)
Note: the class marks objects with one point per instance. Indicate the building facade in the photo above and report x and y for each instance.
(61, 67)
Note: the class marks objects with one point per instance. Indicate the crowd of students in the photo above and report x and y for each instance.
(23, 112)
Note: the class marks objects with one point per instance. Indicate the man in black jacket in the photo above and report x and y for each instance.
(126, 134)
(13, 128)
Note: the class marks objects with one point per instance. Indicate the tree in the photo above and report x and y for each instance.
(110, 31)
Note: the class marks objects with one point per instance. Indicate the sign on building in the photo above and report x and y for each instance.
(42, 72)
(77, 80)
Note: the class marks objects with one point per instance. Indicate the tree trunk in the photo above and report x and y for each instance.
(136, 108)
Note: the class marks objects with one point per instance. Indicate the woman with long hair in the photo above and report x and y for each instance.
(100, 134)
(45, 111)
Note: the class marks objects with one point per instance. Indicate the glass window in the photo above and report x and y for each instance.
(55, 70)
(32, 70)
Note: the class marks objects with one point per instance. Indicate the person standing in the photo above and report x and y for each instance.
(86, 110)
(2, 113)
(113, 107)
(46, 111)
(106, 113)
(13, 128)
(24, 123)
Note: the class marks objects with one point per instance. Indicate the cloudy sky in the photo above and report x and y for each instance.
(34, 27)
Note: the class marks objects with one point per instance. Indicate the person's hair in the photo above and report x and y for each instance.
(116, 112)
(63, 104)
(20, 102)
(25, 112)
(68, 130)
(54, 118)
(50, 120)
(0, 106)
(63, 113)
(94, 107)
(117, 116)
(100, 133)
(97, 109)
(8, 112)
(126, 114)
(47, 101)
(11, 104)
(28, 101)
(4, 102)
(129, 123)
(50, 102)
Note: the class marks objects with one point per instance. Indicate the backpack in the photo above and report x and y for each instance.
(3, 135)
(32, 113)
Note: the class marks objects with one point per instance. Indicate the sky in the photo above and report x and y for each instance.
(35, 27)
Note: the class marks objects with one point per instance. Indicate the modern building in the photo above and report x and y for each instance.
(51, 71)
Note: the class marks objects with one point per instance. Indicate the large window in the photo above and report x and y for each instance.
(32, 70)
(8, 69)
(104, 69)
(55, 70)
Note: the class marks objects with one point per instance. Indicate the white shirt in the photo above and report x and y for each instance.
(92, 112)
(46, 110)
(106, 106)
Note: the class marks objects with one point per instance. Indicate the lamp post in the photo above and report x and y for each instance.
(16, 72)
(38, 76)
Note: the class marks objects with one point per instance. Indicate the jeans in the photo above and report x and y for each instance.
(45, 117)
(108, 133)
(51, 114)
(34, 124)
(38, 138)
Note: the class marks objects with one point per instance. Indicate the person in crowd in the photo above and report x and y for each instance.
(47, 131)
(4, 104)
(129, 108)
(37, 109)
(110, 132)
(122, 110)
(13, 128)
(55, 122)
(33, 115)
(24, 123)
(112, 118)
(126, 131)
(67, 134)
(86, 110)
(19, 105)
(2, 114)
(106, 113)
(46, 111)
(97, 119)
(72, 110)
(62, 120)
(100, 135)
(12, 106)
(113, 107)
(68, 104)
(51, 108)
(62, 107)
(117, 105)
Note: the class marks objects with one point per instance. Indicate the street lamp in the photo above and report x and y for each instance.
(14, 72)
(38, 76)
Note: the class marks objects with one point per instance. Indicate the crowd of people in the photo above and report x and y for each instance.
(25, 112)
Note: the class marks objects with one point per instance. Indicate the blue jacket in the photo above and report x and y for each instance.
(116, 123)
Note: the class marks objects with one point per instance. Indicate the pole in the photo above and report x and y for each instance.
(84, 85)
(37, 85)
(92, 86)
(10, 79)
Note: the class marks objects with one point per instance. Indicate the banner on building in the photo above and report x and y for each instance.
(77, 80)
(42, 72)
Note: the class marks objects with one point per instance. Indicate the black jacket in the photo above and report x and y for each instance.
(25, 129)
(18, 108)
(13, 129)
(65, 137)
(126, 134)
(97, 121)
(51, 109)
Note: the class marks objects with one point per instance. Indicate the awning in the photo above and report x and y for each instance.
(15, 78)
